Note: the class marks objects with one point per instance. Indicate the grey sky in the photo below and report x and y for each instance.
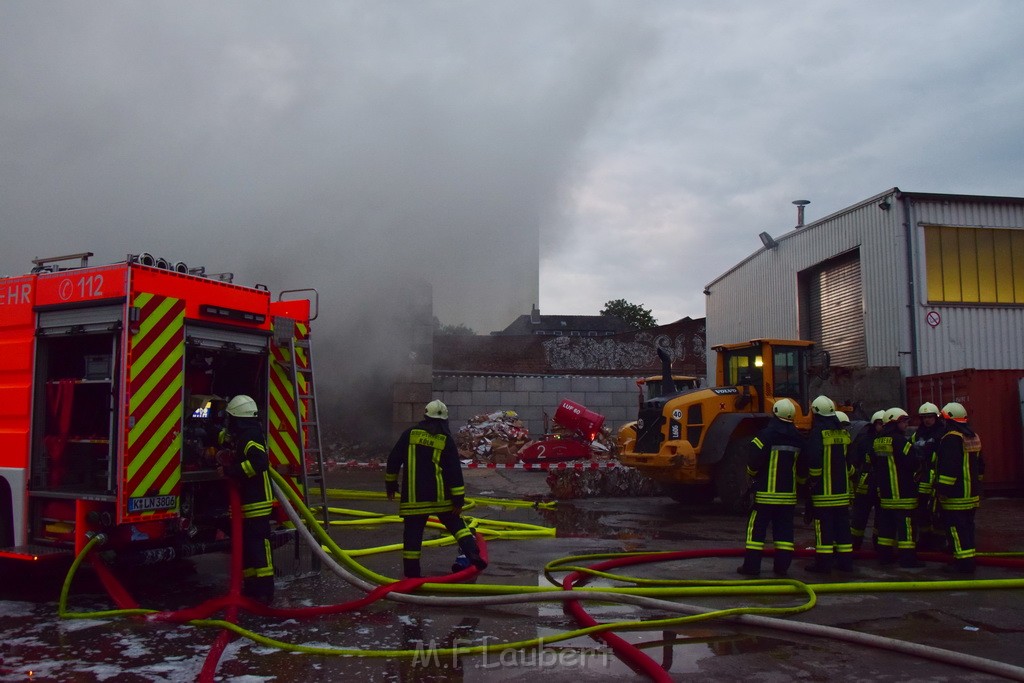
(350, 145)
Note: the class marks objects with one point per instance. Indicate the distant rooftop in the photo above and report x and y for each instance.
(565, 325)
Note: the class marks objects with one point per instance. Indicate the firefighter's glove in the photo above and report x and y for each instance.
(223, 437)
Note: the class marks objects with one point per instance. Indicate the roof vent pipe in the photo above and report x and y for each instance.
(800, 204)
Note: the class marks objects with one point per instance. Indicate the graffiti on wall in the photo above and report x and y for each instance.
(640, 353)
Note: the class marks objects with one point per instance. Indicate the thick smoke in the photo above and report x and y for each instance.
(356, 148)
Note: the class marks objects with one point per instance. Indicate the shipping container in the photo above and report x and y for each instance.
(993, 402)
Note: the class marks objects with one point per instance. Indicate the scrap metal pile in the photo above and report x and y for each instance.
(494, 438)
(612, 482)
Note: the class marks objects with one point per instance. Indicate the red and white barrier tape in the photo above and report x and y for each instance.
(576, 465)
(471, 465)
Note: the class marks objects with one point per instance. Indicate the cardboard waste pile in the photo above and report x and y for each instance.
(492, 438)
(587, 483)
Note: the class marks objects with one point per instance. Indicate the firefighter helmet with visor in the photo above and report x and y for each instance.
(954, 411)
(784, 409)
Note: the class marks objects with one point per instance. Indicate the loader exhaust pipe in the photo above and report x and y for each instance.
(668, 385)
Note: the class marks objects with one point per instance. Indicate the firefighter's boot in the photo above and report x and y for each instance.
(411, 569)
(844, 562)
(471, 550)
(751, 563)
(822, 564)
(858, 541)
(783, 558)
(908, 558)
(886, 555)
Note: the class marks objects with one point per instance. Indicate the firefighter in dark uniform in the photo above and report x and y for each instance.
(959, 470)
(926, 440)
(829, 485)
(432, 484)
(248, 467)
(772, 463)
(865, 493)
(895, 465)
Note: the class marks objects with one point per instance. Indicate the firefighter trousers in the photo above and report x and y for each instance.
(780, 519)
(863, 504)
(257, 559)
(896, 533)
(833, 539)
(412, 540)
(960, 527)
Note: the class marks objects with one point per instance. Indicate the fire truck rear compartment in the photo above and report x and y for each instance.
(75, 447)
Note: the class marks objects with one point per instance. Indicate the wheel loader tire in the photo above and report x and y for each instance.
(731, 480)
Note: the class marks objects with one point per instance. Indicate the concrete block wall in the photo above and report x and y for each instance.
(532, 396)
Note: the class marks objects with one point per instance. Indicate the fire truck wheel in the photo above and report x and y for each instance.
(731, 480)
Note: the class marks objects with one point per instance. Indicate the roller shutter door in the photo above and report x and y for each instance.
(88, 319)
(257, 342)
(836, 311)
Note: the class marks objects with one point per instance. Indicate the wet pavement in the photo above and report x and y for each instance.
(37, 645)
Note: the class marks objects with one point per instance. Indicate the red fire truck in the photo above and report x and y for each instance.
(113, 381)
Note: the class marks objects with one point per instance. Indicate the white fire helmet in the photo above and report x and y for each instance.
(823, 406)
(784, 409)
(436, 409)
(242, 406)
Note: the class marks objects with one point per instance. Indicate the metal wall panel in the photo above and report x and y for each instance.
(966, 336)
(759, 296)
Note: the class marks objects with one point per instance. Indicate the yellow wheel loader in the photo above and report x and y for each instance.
(694, 442)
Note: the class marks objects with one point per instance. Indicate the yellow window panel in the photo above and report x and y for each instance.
(971, 277)
(986, 266)
(951, 265)
(1003, 254)
(1017, 249)
(933, 262)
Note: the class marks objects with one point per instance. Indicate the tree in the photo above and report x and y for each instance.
(451, 330)
(638, 317)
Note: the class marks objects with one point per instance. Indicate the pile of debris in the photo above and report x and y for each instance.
(492, 438)
(617, 482)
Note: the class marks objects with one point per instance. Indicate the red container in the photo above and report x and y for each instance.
(993, 402)
(573, 416)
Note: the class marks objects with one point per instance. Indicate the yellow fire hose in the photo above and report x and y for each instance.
(649, 593)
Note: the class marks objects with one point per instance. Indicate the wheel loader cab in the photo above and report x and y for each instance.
(765, 370)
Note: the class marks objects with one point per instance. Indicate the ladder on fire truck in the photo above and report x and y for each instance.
(311, 448)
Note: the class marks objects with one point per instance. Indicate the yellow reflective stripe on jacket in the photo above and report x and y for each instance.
(246, 464)
(419, 437)
(441, 503)
(435, 458)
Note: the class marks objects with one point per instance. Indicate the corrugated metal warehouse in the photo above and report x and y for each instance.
(932, 284)
(925, 282)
